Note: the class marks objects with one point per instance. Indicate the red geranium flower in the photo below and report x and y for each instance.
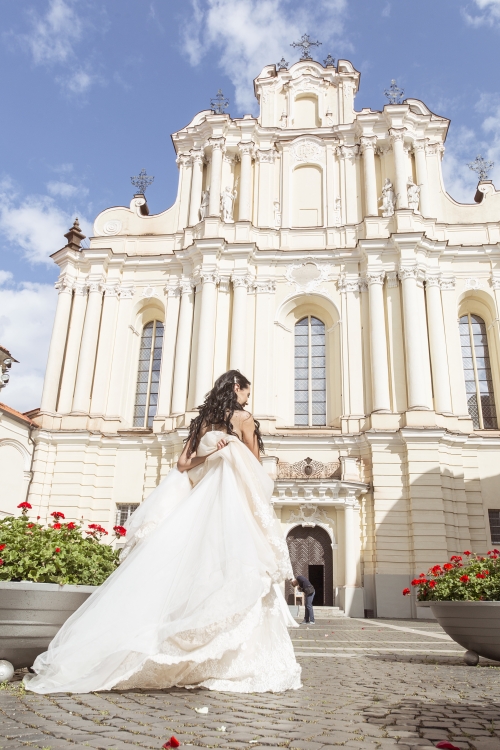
(57, 526)
(406, 592)
(97, 528)
(172, 742)
(1, 562)
(464, 578)
(432, 584)
(422, 575)
(57, 514)
(486, 572)
(480, 575)
(71, 525)
(120, 530)
(57, 549)
(436, 570)
(457, 558)
(496, 551)
(2, 546)
(447, 566)
(24, 506)
(467, 552)
(416, 582)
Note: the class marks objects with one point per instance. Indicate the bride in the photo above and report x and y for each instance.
(195, 601)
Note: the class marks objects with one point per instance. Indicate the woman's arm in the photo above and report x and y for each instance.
(248, 436)
(186, 462)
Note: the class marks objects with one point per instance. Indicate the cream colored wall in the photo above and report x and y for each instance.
(15, 463)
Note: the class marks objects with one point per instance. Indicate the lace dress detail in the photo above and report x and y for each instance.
(195, 601)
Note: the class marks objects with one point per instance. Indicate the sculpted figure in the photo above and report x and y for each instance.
(205, 200)
(226, 203)
(388, 198)
(413, 195)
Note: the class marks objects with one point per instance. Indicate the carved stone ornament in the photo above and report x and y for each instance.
(241, 281)
(345, 284)
(112, 227)
(495, 281)
(95, 286)
(472, 284)
(126, 292)
(348, 152)
(266, 156)
(435, 148)
(337, 213)
(420, 145)
(246, 148)
(392, 279)
(447, 283)
(310, 515)
(367, 142)
(375, 277)
(277, 215)
(413, 192)
(264, 286)
(149, 292)
(348, 87)
(65, 285)
(197, 156)
(111, 289)
(397, 134)
(433, 280)
(388, 199)
(186, 286)
(307, 469)
(408, 272)
(172, 289)
(217, 144)
(307, 276)
(209, 277)
(307, 151)
(183, 160)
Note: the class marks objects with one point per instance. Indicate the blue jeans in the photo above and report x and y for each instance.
(309, 613)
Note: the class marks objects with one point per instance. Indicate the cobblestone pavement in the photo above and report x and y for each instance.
(368, 684)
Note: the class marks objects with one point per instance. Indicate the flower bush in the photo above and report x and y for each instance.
(465, 578)
(58, 553)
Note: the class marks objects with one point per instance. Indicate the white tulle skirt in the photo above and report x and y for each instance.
(196, 600)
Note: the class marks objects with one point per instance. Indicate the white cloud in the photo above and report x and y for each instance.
(34, 224)
(26, 318)
(249, 34)
(5, 276)
(52, 37)
(386, 11)
(489, 13)
(79, 81)
(65, 189)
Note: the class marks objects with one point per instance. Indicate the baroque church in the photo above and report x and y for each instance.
(315, 249)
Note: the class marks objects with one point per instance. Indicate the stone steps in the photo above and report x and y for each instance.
(324, 613)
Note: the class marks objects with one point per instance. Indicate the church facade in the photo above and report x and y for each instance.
(315, 249)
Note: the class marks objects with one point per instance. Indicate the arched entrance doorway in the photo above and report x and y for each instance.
(310, 551)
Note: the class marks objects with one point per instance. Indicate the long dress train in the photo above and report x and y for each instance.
(195, 601)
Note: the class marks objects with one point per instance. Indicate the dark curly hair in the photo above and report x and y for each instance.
(219, 407)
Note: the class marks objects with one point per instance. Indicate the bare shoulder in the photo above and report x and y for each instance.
(241, 416)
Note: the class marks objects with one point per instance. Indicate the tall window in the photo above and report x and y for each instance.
(477, 372)
(310, 382)
(148, 378)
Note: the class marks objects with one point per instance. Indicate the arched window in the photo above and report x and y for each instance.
(477, 372)
(148, 377)
(310, 381)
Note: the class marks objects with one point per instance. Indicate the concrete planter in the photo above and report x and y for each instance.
(31, 614)
(474, 625)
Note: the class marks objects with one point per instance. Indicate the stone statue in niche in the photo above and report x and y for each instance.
(277, 215)
(388, 198)
(205, 200)
(413, 195)
(227, 201)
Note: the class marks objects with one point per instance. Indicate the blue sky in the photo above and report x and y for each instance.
(91, 92)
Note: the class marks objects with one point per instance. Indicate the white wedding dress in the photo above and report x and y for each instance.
(195, 601)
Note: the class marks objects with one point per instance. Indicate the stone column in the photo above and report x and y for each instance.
(206, 335)
(88, 349)
(218, 148)
(196, 185)
(349, 546)
(400, 166)
(353, 346)
(263, 390)
(183, 348)
(422, 178)
(184, 163)
(349, 154)
(73, 349)
(238, 323)
(57, 345)
(105, 349)
(266, 159)
(413, 344)
(368, 144)
(167, 359)
(437, 345)
(245, 210)
(378, 342)
(118, 371)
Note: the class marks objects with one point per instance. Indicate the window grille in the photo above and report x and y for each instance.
(310, 381)
(494, 516)
(124, 511)
(148, 377)
(477, 372)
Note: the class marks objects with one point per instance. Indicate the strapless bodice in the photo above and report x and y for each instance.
(207, 445)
